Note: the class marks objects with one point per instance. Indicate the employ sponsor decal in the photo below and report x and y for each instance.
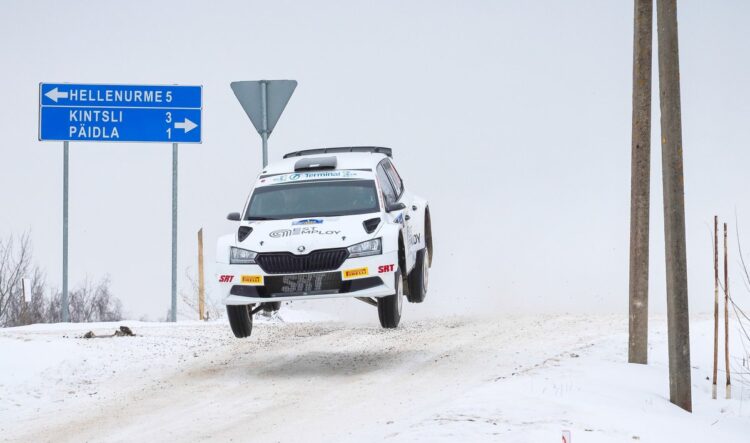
(308, 221)
(415, 239)
(355, 273)
(251, 279)
(226, 278)
(385, 268)
(301, 231)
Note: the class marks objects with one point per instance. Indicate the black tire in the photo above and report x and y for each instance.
(389, 308)
(419, 277)
(240, 320)
(271, 306)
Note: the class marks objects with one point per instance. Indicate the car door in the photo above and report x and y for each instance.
(395, 193)
(413, 229)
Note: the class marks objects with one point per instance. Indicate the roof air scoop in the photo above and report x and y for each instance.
(309, 164)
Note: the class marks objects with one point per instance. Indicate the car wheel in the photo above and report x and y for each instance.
(389, 308)
(240, 320)
(419, 277)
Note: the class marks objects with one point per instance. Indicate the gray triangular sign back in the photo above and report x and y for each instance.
(278, 93)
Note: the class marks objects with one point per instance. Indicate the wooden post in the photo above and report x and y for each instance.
(678, 319)
(201, 280)
(726, 314)
(716, 305)
(640, 171)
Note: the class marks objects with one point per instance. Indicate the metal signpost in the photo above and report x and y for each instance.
(120, 113)
(264, 101)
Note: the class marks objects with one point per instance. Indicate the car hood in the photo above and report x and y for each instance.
(303, 235)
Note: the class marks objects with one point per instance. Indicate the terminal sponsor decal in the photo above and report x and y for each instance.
(252, 279)
(300, 231)
(226, 278)
(355, 273)
(385, 268)
(300, 176)
(308, 221)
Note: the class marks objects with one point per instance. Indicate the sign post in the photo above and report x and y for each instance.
(264, 101)
(66, 170)
(119, 113)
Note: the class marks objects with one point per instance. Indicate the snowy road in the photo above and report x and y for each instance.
(450, 379)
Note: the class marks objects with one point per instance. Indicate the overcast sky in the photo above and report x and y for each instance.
(511, 117)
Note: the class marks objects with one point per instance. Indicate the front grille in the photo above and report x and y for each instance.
(288, 263)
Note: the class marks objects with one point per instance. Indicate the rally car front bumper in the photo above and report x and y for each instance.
(372, 276)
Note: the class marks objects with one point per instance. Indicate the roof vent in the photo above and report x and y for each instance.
(307, 164)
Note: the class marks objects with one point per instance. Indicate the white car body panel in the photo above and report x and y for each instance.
(301, 236)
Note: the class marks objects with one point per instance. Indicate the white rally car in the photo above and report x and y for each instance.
(325, 223)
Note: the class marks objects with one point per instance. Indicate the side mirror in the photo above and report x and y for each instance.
(390, 207)
(233, 216)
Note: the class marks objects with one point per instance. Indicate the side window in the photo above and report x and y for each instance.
(385, 185)
(395, 178)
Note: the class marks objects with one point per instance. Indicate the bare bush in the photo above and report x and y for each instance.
(213, 308)
(15, 260)
(87, 303)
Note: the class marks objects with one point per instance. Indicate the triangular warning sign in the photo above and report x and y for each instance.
(278, 93)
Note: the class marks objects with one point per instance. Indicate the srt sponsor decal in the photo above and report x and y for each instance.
(251, 279)
(385, 268)
(308, 221)
(302, 283)
(300, 231)
(355, 273)
(226, 278)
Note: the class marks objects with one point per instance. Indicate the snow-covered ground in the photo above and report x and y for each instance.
(522, 379)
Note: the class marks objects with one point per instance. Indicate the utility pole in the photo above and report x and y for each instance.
(674, 206)
(716, 306)
(726, 314)
(640, 183)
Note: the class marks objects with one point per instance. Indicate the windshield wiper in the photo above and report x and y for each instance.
(260, 218)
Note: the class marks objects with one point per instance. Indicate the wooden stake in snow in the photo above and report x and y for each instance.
(716, 305)
(726, 314)
(201, 280)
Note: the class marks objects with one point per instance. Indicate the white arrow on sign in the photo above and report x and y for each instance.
(187, 125)
(54, 94)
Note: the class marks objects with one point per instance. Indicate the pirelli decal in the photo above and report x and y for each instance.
(255, 280)
(348, 274)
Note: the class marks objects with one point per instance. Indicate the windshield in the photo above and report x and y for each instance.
(313, 199)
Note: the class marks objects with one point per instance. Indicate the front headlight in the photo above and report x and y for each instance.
(369, 247)
(238, 256)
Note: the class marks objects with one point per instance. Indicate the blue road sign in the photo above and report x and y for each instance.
(120, 113)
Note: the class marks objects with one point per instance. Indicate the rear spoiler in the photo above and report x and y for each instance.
(371, 149)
